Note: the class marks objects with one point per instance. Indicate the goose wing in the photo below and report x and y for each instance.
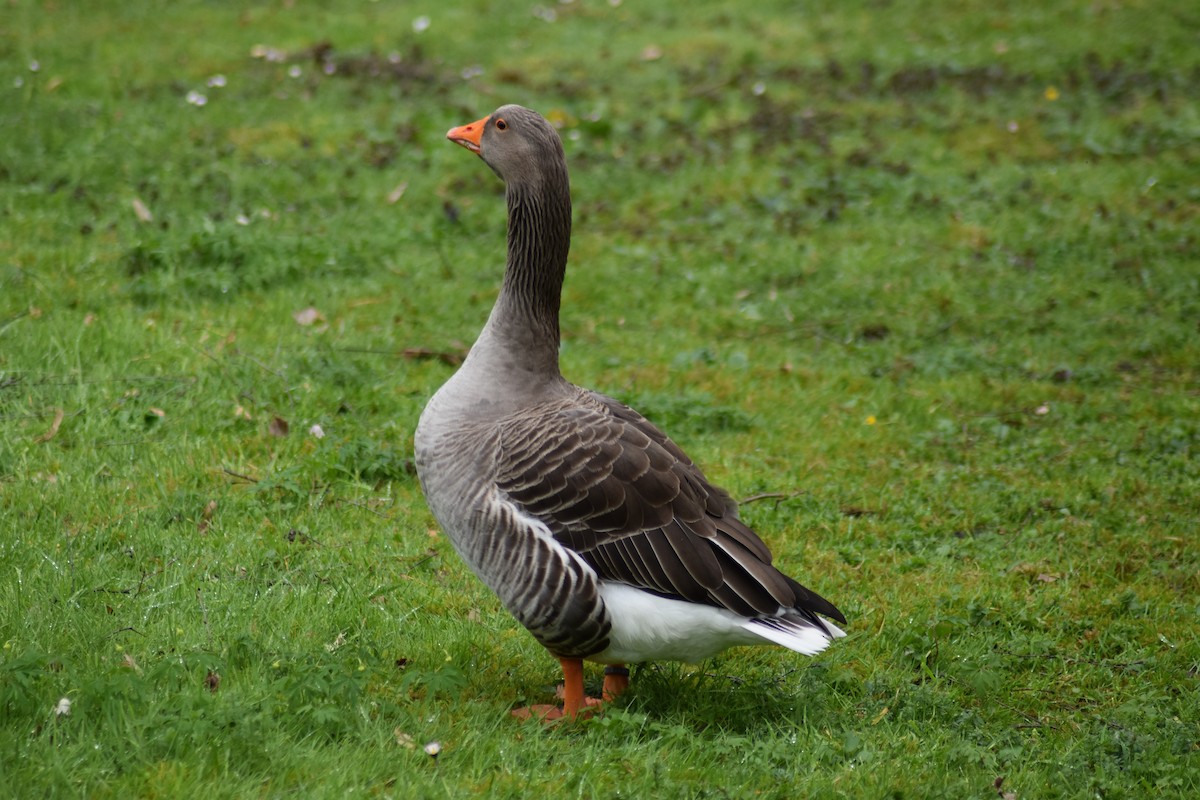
(612, 487)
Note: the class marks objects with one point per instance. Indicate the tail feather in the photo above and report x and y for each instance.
(800, 635)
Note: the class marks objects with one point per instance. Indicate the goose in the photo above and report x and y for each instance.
(594, 529)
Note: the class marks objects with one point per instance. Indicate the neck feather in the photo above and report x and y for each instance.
(539, 237)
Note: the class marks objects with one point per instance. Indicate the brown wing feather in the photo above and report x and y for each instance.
(614, 488)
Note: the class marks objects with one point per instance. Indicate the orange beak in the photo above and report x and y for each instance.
(468, 135)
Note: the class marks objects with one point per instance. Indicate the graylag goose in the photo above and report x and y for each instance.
(595, 530)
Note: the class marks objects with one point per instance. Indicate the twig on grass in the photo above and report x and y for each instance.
(371, 351)
(238, 475)
(141, 582)
(450, 357)
(10, 320)
(447, 357)
(263, 366)
(1034, 720)
(364, 507)
(147, 575)
(202, 351)
(776, 496)
(320, 501)
(1117, 665)
(51, 379)
(424, 558)
(126, 629)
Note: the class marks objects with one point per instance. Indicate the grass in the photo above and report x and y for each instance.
(924, 282)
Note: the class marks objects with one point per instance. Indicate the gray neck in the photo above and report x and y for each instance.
(524, 321)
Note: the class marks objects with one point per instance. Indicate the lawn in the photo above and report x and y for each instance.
(919, 283)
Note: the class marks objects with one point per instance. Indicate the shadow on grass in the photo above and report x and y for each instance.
(712, 698)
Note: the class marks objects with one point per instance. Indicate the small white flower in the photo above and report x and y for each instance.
(34, 66)
(317, 431)
(421, 24)
(242, 219)
(63, 709)
(432, 749)
(216, 81)
(294, 71)
(759, 89)
(196, 99)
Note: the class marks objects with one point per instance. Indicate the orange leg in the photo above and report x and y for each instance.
(575, 701)
(573, 696)
(616, 680)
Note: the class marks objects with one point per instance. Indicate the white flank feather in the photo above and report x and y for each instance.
(649, 627)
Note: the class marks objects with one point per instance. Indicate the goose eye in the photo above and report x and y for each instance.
(501, 125)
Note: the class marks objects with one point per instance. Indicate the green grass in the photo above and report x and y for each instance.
(924, 276)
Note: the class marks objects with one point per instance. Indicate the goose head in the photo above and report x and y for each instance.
(518, 144)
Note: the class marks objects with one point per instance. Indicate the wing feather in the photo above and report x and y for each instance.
(612, 487)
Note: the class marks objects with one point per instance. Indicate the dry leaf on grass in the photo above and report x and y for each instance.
(206, 516)
(278, 427)
(53, 431)
(142, 212)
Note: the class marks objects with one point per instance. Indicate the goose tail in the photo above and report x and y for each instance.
(796, 633)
